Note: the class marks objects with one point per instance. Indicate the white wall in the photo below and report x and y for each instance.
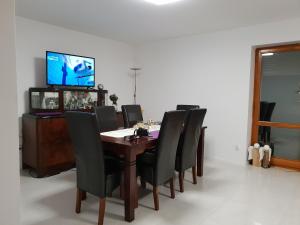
(9, 167)
(212, 70)
(113, 58)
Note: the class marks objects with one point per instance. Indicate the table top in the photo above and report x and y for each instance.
(121, 144)
(126, 142)
(117, 137)
(128, 131)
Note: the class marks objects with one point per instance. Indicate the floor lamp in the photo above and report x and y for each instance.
(135, 69)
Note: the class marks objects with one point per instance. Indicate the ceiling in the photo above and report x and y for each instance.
(137, 21)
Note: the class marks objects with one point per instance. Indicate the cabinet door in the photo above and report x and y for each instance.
(55, 146)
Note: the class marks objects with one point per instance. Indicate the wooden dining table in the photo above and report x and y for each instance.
(128, 150)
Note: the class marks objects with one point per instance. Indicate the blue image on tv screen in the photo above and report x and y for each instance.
(70, 70)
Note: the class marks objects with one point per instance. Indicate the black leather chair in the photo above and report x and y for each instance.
(188, 144)
(266, 111)
(263, 110)
(132, 114)
(107, 118)
(187, 107)
(267, 130)
(158, 165)
(96, 174)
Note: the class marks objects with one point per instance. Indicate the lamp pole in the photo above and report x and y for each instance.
(135, 69)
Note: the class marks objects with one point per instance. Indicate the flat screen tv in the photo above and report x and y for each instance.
(70, 70)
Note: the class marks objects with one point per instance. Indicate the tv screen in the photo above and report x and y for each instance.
(70, 70)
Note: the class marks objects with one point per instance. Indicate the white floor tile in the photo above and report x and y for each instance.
(225, 195)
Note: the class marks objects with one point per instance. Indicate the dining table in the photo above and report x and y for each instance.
(118, 143)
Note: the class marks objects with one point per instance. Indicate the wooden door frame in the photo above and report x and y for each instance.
(256, 102)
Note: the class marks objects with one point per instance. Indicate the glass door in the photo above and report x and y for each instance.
(276, 106)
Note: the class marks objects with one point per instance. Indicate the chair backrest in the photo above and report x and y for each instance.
(107, 118)
(89, 155)
(132, 114)
(168, 139)
(270, 109)
(263, 110)
(189, 139)
(187, 107)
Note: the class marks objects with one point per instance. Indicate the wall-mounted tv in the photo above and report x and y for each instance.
(70, 70)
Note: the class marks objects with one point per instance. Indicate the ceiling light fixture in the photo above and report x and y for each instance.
(162, 2)
(268, 54)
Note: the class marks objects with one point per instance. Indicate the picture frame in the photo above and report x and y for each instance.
(44, 100)
(51, 100)
(80, 100)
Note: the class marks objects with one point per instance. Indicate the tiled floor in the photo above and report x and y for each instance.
(226, 195)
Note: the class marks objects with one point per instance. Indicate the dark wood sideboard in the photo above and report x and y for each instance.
(47, 147)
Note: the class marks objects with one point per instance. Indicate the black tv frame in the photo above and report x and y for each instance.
(78, 86)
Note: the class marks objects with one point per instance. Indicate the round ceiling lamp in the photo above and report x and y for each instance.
(162, 2)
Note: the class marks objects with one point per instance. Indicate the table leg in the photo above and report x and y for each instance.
(130, 190)
(200, 154)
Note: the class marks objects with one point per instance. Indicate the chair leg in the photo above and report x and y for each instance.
(122, 191)
(143, 184)
(155, 197)
(101, 211)
(78, 200)
(83, 195)
(194, 175)
(181, 174)
(172, 188)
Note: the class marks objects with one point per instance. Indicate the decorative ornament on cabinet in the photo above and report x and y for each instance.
(114, 98)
